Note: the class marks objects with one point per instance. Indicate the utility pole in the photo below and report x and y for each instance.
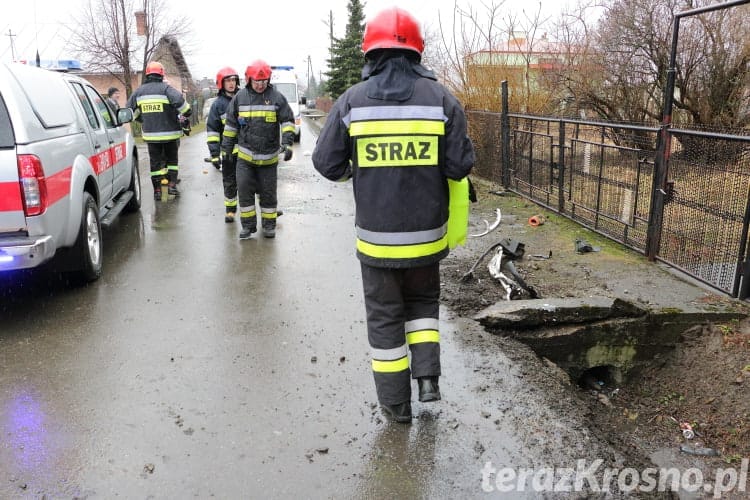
(10, 35)
(329, 23)
(330, 26)
(309, 72)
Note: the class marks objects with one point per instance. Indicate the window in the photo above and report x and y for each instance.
(7, 140)
(87, 107)
(101, 106)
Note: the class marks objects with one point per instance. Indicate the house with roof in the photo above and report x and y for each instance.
(531, 68)
(177, 74)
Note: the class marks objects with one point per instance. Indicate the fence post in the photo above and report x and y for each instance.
(505, 134)
(561, 169)
(663, 149)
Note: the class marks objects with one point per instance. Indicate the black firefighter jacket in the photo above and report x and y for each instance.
(157, 105)
(400, 135)
(253, 122)
(215, 123)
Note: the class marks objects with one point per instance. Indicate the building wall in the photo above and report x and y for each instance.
(103, 81)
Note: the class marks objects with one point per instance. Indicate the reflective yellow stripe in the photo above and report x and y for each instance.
(265, 215)
(397, 151)
(248, 158)
(421, 336)
(402, 127)
(155, 136)
(402, 251)
(230, 133)
(398, 365)
(156, 173)
(269, 116)
(246, 215)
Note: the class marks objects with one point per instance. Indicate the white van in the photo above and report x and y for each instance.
(284, 80)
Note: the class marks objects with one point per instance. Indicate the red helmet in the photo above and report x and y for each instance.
(258, 70)
(393, 28)
(223, 73)
(154, 68)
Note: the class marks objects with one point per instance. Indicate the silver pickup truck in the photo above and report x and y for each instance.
(68, 167)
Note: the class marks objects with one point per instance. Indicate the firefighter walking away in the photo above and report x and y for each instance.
(160, 108)
(401, 136)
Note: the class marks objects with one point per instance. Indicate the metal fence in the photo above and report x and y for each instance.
(679, 196)
(602, 175)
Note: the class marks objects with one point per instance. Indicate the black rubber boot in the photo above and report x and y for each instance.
(401, 412)
(269, 228)
(248, 228)
(428, 389)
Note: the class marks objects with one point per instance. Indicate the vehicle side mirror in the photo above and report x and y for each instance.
(303, 100)
(124, 115)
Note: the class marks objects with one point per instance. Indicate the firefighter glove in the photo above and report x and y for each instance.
(287, 153)
(185, 124)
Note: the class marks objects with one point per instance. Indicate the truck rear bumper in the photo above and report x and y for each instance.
(23, 252)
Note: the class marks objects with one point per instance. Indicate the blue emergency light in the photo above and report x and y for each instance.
(56, 64)
(289, 68)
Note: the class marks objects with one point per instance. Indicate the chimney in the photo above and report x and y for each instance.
(140, 23)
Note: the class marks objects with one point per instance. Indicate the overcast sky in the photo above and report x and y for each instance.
(282, 33)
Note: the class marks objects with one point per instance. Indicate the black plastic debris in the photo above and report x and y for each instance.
(583, 246)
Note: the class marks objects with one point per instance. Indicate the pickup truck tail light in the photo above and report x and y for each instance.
(33, 185)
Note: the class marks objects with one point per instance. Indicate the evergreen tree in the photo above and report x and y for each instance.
(346, 53)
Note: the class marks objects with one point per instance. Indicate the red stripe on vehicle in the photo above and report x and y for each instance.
(58, 185)
(105, 160)
(119, 152)
(10, 197)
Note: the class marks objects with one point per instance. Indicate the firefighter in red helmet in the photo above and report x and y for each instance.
(228, 82)
(256, 117)
(401, 136)
(160, 108)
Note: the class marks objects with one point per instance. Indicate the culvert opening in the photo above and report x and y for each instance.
(599, 378)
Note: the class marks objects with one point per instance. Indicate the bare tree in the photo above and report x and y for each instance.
(627, 57)
(483, 47)
(105, 35)
(577, 57)
(525, 40)
(463, 34)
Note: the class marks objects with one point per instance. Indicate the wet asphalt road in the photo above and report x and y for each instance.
(201, 366)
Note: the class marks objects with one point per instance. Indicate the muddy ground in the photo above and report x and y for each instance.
(705, 382)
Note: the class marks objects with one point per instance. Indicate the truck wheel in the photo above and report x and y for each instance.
(135, 186)
(88, 247)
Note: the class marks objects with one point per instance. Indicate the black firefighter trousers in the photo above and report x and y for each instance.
(261, 180)
(402, 315)
(163, 161)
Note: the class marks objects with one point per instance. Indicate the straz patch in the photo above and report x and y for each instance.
(397, 151)
(151, 107)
